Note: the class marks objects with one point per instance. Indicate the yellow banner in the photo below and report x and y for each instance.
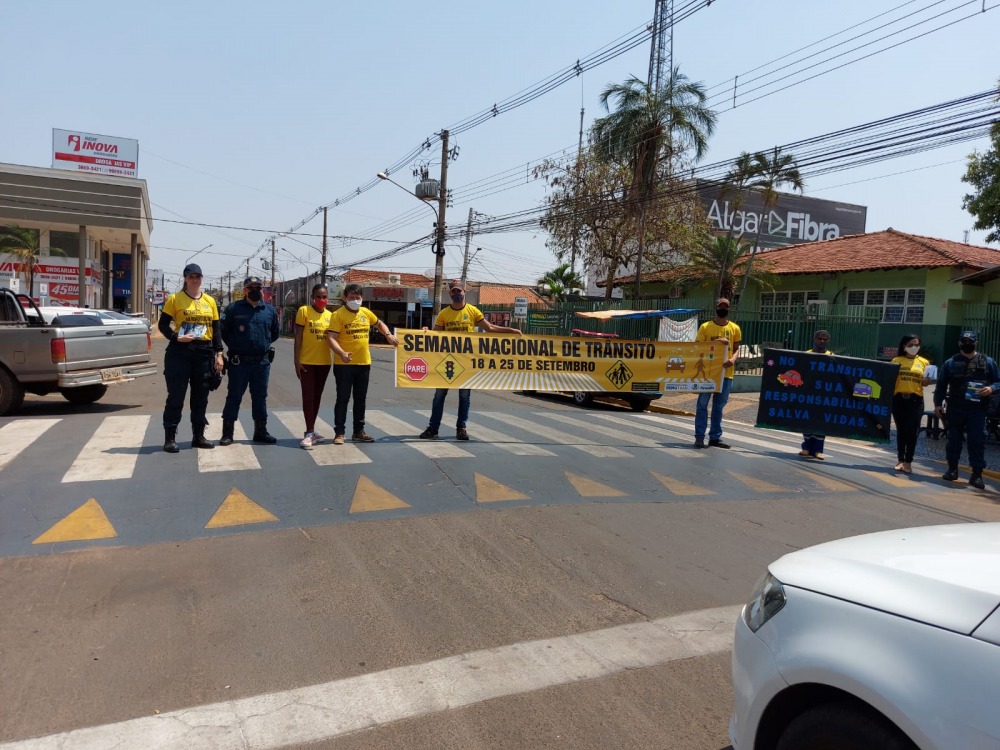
(504, 362)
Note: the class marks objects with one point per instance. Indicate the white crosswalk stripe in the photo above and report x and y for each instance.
(557, 436)
(17, 436)
(112, 451)
(396, 427)
(625, 438)
(236, 457)
(498, 439)
(326, 453)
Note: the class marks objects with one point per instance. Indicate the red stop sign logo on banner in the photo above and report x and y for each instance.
(416, 368)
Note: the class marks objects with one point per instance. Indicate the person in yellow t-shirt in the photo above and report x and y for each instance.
(189, 320)
(348, 336)
(313, 358)
(721, 329)
(458, 316)
(908, 399)
(813, 443)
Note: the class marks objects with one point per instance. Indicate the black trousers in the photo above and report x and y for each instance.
(907, 413)
(185, 364)
(351, 379)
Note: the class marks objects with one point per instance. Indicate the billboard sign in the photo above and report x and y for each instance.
(97, 154)
(794, 219)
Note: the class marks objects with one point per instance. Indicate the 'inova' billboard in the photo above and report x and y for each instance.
(792, 220)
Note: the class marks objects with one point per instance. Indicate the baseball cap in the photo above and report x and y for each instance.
(971, 335)
(192, 268)
(722, 301)
(456, 284)
(253, 281)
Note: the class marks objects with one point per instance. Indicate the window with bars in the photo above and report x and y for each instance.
(897, 305)
(783, 305)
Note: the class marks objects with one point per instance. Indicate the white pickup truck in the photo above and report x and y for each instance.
(78, 355)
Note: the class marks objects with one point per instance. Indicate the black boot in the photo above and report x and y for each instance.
(976, 480)
(951, 475)
(227, 432)
(170, 443)
(260, 433)
(198, 440)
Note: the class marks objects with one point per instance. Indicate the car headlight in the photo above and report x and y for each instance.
(767, 600)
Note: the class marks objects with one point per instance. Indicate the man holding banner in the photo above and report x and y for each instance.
(725, 331)
(458, 316)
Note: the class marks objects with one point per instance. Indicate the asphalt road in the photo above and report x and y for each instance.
(554, 582)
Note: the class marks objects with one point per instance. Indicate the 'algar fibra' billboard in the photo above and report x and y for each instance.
(794, 219)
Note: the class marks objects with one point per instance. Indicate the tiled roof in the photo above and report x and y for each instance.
(502, 294)
(364, 276)
(878, 251)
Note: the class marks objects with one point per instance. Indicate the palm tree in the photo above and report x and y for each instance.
(736, 181)
(772, 170)
(560, 282)
(647, 128)
(723, 260)
(25, 246)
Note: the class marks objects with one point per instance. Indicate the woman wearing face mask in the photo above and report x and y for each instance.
(313, 358)
(350, 327)
(908, 399)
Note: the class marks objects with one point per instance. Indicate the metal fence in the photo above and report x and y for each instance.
(853, 333)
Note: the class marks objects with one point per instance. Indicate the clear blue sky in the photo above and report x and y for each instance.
(252, 115)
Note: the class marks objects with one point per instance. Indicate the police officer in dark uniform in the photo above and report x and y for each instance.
(967, 381)
(249, 327)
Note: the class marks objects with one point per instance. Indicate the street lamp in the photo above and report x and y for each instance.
(439, 243)
(198, 253)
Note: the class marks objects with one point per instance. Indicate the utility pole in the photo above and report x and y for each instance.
(442, 205)
(272, 266)
(468, 239)
(248, 267)
(576, 203)
(322, 270)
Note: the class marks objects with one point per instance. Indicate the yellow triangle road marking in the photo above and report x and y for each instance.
(368, 496)
(680, 488)
(490, 491)
(891, 479)
(591, 488)
(758, 485)
(239, 510)
(86, 522)
(828, 483)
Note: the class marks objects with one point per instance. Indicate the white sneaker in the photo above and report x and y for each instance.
(317, 438)
(307, 441)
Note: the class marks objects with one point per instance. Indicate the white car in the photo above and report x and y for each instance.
(888, 641)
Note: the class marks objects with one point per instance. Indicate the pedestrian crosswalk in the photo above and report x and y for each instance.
(118, 446)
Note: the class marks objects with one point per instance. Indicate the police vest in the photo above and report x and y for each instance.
(964, 370)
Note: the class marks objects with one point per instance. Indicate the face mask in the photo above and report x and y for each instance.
(722, 312)
(912, 350)
(967, 348)
(255, 295)
(819, 347)
(458, 296)
(353, 305)
(319, 304)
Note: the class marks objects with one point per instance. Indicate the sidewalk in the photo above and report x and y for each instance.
(742, 407)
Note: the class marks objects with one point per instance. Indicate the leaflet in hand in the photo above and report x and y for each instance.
(193, 329)
(972, 390)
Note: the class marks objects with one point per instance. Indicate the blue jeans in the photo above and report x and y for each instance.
(718, 404)
(813, 443)
(970, 422)
(437, 407)
(253, 374)
(350, 379)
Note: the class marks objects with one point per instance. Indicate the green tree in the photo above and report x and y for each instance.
(24, 245)
(558, 282)
(723, 261)
(771, 170)
(983, 173)
(647, 129)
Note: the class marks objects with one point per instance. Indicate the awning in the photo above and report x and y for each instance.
(636, 314)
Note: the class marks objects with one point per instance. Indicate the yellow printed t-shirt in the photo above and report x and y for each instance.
(465, 319)
(352, 331)
(193, 315)
(911, 375)
(314, 349)
(710, 332)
